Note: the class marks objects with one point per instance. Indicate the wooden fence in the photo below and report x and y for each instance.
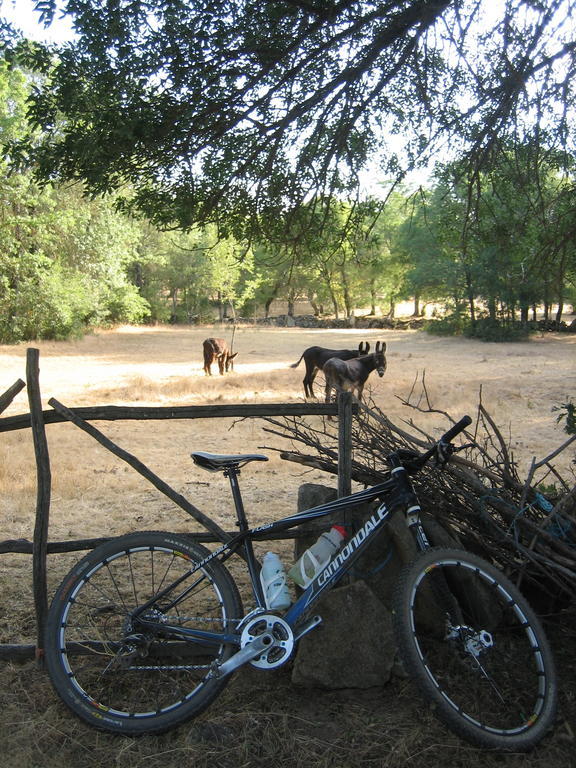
(37, 419)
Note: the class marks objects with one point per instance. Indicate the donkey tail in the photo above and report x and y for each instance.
(295, 365)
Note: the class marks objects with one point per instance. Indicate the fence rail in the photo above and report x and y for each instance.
(37, 419)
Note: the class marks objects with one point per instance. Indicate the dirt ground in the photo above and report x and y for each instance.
(261, 720)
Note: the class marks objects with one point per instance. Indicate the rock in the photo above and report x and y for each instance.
(336, 654)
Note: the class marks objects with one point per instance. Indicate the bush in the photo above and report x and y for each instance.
(486, 329)
(125, 305)
(451, 325)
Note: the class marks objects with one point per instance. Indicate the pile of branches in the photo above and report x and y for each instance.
(478, 497)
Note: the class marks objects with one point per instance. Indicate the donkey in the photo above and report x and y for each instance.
(316, 357)
(216, 350)
(352, 374)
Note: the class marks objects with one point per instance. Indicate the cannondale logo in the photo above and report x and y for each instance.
(373, 522)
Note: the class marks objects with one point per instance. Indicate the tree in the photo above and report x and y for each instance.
(63, 258)
(235, 112)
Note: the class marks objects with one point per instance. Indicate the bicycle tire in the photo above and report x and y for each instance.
(475, 649)
(118, 677)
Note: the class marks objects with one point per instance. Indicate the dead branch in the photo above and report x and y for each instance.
(479, 495)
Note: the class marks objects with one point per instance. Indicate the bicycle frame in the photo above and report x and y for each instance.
(398, 492)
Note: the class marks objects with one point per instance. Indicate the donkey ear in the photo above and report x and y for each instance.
(367, 343)
(361, 348)
(383, 346)
(377, 346)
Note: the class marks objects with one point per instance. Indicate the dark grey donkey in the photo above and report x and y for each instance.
(316, 357)
(352, 374)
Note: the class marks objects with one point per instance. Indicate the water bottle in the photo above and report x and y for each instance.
(317, 556)
(273, 580)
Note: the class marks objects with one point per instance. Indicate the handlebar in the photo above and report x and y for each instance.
(460, 426)
(442, 449)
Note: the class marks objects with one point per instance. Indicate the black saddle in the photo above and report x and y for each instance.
(215, 462)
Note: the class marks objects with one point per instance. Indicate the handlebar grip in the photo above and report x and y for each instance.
(456, 429)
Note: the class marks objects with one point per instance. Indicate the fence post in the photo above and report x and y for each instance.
(344, 444)
(43, 475)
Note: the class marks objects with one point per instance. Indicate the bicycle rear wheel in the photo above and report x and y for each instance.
(475, 649)
(118, 675)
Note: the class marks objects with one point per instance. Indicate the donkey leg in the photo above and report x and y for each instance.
(311, 381)
(308, 379)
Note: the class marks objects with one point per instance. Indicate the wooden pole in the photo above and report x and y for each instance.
(10, 394)
(344, 444)
(136, 464)
(44, 481)
(144, 413)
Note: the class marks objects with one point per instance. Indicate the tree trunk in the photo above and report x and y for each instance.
(372, 297)
(560, 310)
(470, 294)
(416, 312)
(270, 299)
(492, 309)
(346, 292)
(560, 288)
(174, 297)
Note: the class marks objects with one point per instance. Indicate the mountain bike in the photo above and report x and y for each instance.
(146, 630)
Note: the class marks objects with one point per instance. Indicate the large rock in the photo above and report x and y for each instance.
(352, 648)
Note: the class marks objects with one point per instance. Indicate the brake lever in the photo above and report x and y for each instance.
(411, 460)
(443, 453)
(445, 450)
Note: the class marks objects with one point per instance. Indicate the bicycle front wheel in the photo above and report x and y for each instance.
(475, 649)
(122, 676)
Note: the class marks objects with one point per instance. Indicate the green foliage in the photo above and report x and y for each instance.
(567, 414)
(486, 329)
(68, 262)
(234, 114)
(451, 325)
(125, 305)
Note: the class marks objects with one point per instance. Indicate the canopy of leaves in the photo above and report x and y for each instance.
(235, 111)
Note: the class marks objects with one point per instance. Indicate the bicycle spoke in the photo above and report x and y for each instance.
(136, 670)
(476, 649)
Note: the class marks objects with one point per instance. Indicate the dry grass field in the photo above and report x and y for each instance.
(261, 720)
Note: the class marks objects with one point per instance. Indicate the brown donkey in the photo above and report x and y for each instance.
(352, 374)
(217, 351)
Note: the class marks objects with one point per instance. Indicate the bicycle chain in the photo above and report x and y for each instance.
(183, 667)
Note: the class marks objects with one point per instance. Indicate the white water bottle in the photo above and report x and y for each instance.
(317, 556)
(273, 580)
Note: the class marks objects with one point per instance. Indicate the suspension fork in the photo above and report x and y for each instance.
(446, 599)
(412, 507)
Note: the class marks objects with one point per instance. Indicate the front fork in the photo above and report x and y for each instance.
(412, 508)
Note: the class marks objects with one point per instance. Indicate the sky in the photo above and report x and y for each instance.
(21, 13)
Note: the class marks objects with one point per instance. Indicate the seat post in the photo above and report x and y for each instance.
(232, 472)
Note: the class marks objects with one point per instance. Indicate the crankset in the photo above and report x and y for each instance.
(279, 650)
